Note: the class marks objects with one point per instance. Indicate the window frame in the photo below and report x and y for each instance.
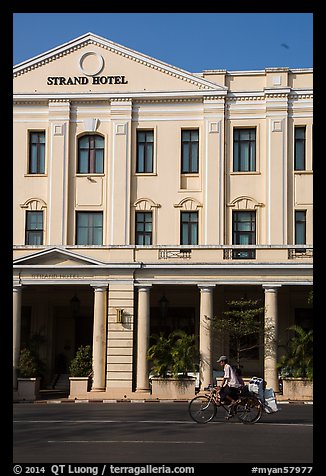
(141, 235)
(90, 228)
(148, 157)
(237, 234)
(34, 232)
(193, 163)
(91, 150)
(302, 224)
(300, 161)
(187, 240)
(40, 152)
(237, 164)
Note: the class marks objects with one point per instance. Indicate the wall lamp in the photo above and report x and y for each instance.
(119, 315)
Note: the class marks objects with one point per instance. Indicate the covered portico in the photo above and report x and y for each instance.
(72, 300)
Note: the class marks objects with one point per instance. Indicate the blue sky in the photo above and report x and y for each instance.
(191, 41)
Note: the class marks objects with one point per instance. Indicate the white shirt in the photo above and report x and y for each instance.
(231, 377)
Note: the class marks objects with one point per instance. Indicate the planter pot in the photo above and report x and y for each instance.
(28, 388)
(297, 388)
(79, 386)
(173, 388)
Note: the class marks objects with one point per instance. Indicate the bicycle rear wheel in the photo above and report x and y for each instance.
(249, 410)
(202, 409)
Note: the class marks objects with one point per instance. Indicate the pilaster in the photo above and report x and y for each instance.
(59, 117)
(121, 114)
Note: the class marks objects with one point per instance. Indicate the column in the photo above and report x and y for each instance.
(143, 322)
(17, 292)
(271, 336)
(205, 334)
(99, 337)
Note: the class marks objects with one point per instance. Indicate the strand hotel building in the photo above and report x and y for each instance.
(146, 198)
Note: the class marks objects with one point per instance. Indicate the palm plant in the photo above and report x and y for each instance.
(184, 353)
(298, 360)
(174, 355)
(160, 355)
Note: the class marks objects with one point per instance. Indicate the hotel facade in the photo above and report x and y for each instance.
(146, 198)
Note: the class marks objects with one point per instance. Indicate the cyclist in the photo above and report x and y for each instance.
(230, 386)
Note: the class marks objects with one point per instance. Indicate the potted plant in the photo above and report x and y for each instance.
(29, 374)
(173, 357)
(80, 371)
(296, 365)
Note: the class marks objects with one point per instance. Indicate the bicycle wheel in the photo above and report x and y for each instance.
(249, 410)
(202, 409)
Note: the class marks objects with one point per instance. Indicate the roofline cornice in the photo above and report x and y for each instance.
(148, 95)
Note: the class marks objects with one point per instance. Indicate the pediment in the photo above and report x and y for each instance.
(92, 64)
(55, 257)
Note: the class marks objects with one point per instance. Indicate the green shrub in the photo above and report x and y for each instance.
(81, 364)
(29, 365)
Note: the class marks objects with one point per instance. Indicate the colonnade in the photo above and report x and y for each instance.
(143, 330)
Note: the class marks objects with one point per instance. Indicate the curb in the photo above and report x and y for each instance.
(127, 400)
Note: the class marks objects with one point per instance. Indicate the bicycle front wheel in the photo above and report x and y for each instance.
(202, 409)
(249, 410)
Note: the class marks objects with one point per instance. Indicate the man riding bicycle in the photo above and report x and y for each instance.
(230, 386)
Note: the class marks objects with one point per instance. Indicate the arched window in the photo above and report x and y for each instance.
(90, 154)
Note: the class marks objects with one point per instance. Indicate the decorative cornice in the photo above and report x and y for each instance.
(298, 96)
(245, 97)
(21, 102)
(166, 100)
(50, 59)
(61, 100)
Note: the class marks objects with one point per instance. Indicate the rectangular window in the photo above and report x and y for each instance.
(300, 227)
(34, 228)
(189, 228)
(300, 148)
(189, 151)
(90, 154)
(36, 164)
(244, 228)
(144, 228)
(244, 150)
(145, 151)
(89, 228)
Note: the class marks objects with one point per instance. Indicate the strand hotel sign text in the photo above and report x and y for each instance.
(91, 65)
(73, 80)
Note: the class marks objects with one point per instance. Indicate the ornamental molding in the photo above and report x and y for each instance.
(245, 98)
(297, 96)
(34, 204)
(145, 204)
(188, 203)
(166, 100)
(61, 100)
(21, 102)
(245, 203)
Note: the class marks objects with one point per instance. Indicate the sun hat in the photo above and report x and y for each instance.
(223, 357)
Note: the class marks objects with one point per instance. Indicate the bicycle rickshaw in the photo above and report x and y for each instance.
(248, 408)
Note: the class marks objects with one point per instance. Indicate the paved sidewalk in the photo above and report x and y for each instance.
(59, 397)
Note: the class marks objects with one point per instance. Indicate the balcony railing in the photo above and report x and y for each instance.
(171, 253)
